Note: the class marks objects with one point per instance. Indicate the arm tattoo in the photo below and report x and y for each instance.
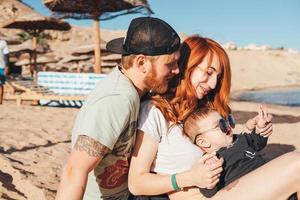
(91, 146)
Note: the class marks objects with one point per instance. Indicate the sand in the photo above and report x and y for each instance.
(35, 142)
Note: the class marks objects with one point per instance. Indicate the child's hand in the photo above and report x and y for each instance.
(261, 122)
(250, 125)
(264, 125)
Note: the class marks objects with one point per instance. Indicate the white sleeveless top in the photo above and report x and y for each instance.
(176, 153)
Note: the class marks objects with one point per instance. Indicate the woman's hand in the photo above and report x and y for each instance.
(206, 172)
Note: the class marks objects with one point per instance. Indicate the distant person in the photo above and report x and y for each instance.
(104, 132)
(3, 66)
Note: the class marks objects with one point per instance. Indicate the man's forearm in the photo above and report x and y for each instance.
(72, 185)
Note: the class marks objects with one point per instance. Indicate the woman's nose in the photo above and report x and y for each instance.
(212, 82)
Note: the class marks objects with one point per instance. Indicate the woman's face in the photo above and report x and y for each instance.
(204, 77)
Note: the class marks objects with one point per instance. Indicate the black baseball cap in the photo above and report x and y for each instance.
(146, 35)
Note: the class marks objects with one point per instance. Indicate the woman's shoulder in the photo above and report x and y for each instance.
(149, 106)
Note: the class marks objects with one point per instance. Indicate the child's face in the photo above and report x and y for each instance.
(211, 133)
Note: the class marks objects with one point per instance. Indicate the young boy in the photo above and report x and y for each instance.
(208, 130)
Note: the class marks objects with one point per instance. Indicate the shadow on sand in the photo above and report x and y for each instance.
(272, 151)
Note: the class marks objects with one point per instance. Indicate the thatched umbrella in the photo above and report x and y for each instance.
(35, 23)
(26, 47)
(12, 40)
(88, 49)
(75, 59)
(112, 57)
(97, 10)
(39, 60)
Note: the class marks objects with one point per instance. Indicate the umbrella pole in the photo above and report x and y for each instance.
(30, 64)
(78, 67)
(34, 45)
(97, 64)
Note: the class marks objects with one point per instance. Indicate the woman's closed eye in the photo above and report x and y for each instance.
(212, 71)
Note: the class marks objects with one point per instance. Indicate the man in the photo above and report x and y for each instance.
(3, 66)
(104, 131)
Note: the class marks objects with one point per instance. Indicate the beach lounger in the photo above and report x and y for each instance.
(57, 88)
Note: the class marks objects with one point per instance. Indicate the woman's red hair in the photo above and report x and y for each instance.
(180, 100)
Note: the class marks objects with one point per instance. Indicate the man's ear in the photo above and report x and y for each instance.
(140, 62)
(202, 142)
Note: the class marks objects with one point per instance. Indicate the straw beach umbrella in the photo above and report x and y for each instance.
(97, 10)
(10, 40)
(88, 49)
(39, 60)
(75, 59)
(26, 47)
(34, 24)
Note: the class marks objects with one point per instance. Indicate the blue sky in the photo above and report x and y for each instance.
(272, 22)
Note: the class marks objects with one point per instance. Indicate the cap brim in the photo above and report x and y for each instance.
(116, 46)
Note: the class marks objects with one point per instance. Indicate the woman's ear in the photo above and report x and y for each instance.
(202, 142)
(140, 62)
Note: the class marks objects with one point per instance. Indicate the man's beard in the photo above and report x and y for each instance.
(154, 85)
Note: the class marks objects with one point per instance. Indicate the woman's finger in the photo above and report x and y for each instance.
(216, 165)
(207, 157)
(216, 172)
(213, 184)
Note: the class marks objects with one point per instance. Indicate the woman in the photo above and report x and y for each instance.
(162, 148)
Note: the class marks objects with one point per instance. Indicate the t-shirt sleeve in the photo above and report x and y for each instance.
(105, 120)
(151, 121)
(257, 141)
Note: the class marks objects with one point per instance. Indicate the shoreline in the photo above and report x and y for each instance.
(271, 88)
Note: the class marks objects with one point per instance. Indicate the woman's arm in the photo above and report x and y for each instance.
(143, 182)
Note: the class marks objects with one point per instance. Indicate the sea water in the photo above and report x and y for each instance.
(286, 96)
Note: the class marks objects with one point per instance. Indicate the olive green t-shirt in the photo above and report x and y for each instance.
(109, 116)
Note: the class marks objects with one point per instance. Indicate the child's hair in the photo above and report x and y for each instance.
(190, 125)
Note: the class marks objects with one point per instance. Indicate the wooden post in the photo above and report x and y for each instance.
(34, 45)
(78, 66)
(97, 64)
